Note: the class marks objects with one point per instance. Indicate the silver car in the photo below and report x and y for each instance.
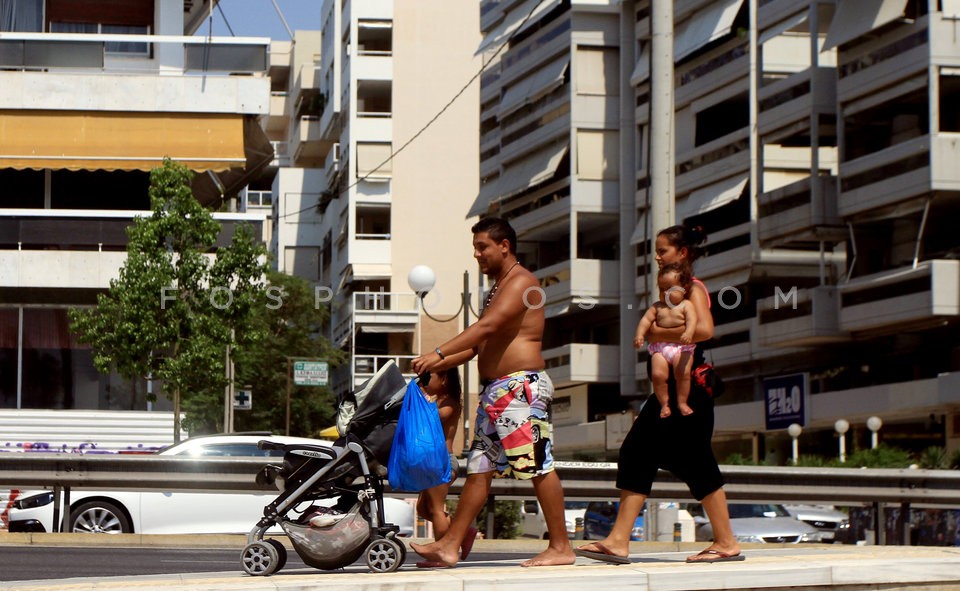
(758, 523)
(834, 525)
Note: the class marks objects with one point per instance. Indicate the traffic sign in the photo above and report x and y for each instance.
(311, 373)
(243, 399)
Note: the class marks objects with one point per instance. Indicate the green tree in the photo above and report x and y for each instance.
(289, 318)
(174, 309)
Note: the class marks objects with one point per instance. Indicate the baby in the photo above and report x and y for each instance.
(673, 310)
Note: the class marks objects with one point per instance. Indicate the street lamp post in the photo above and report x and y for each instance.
(795, 430)
(842, 426)
(874, 423)
(421, 280)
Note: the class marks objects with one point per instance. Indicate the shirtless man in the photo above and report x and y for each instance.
(513, 433)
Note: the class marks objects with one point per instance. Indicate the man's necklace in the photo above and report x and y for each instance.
(496, 286)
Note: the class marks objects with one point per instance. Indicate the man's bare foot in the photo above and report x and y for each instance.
(436, 553)
(664, 412)
(551, 557)
(685, 410)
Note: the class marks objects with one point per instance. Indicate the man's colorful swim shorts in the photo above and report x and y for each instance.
(513, 434)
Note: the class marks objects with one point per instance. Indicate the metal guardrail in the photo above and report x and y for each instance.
(584, 480)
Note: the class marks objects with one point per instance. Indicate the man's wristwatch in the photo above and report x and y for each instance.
(439, 354)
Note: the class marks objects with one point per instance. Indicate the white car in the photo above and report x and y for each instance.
(176, 511)
(533, 524)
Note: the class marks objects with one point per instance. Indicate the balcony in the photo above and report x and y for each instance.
(802, 211)
(788, 103)
(579, 363)
(308, 145)
(806, 317)
(82, 249)
(279, 116)
(719, 158)
(902, 298)
(717, 71)
(574, 439)
(579, 282)
(184, 74)
(874, 69)
(730, 266)
(900, 173)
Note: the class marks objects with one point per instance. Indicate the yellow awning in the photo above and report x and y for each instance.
(90, 140)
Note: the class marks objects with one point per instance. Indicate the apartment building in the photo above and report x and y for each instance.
(94, 94)
(813, 142)
(382, 147)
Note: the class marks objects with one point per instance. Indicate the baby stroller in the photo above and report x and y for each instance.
(350, 474)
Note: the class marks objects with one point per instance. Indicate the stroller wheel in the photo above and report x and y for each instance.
(281, 553)
(260, 559)
(384, 555)
(403, 547)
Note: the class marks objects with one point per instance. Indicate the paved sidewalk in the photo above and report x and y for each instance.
(654, 567)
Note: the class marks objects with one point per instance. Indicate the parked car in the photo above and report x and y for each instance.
(533, 525)
(834, 525)
(757, 523)
(599, 517)
(175, 511)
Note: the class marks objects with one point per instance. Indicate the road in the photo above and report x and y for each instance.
(27, 563)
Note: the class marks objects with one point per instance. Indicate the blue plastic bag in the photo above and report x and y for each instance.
(418, 458)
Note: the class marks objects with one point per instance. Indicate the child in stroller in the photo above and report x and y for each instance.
(351, 472)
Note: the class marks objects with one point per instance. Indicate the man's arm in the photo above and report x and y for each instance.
(510, 304)
(704, 331)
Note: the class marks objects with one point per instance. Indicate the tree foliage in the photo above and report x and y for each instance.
(289, 321)
(174, 309)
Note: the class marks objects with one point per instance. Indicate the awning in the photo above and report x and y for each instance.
(854, 18)
(543, 7)
(640, 233)
(91, 140)
(642, 70)
(706, 25)
(511, 22)
(369, 271)
(214, 187)
(712, 197)
(486, 194)
(534, 86)
(534, 169)
(782, 27)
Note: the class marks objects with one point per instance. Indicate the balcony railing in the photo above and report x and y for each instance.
(579, 363)
(804, 317)
(216, 55)
(902, 298)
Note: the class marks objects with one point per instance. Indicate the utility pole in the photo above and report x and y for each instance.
(663, 144)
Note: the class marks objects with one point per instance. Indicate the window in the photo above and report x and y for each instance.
(373, 159)
(598, 70)
(25, 16)
(598, 154)
(114, 47)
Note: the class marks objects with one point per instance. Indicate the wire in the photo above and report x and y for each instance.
(435, 117)
(225, 21)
